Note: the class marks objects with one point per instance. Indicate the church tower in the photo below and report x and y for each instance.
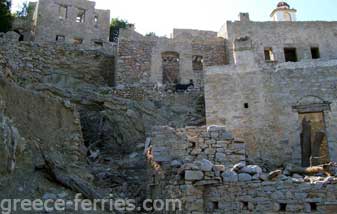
(283, 12)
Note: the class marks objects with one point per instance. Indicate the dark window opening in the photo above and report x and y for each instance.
(246, 105)
(60, 38)
(198, 63)
(313, 206)
(244, 205)
(63, 12)
(215, 205)
(290, 54)
(78, 41)
(283, 207)
(98, 43)
(268, 54)
(315, 53)
(80, 16)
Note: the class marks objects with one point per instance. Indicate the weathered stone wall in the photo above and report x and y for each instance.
(204, 186)
(279, 35)
(63, 65)
(48, 24)
(192, 143)
(257, 105)
(140, 58)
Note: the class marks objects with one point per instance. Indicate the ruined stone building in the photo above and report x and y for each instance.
(186, 117)
(71, 21)
(280, 72)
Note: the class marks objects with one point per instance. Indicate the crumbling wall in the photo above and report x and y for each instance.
(280, 35)
(140, 58)
(191, 143)
(50, 23)
(63, 65)
(259, 105)
(204, 186)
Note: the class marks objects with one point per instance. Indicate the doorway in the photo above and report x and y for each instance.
(314, 144)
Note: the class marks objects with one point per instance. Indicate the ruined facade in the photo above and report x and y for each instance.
(148, 59)
(279, 74)
(75, 21)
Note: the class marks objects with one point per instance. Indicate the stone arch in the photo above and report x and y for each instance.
(170, 67)
(310, 99)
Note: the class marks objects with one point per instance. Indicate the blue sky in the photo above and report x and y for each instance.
(161, 16)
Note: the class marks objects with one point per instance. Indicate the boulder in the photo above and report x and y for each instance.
(245, 177)
(251, 169)
(205, 165)
(220, 157)
(193, 175)
(230, 176)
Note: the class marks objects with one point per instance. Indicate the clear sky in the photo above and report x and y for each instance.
(161, 16)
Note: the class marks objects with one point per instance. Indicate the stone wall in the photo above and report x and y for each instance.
(189, 144)
(204, 186)
(64, 65)
(261, 105)
(279, 35)
(140, 58)
(48, 23)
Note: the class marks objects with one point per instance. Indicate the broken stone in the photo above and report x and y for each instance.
(274, 174)
(176, 163)
(230, 176)
(245, 177)
(220, 157)
(251, 169)
(238, 167)
(193, 175)
(205, 165)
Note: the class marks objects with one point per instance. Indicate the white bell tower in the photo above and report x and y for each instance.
(283, 13)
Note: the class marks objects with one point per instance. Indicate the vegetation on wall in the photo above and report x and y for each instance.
(115, 25)
(5, 15)
(151, 34)
(24, 11)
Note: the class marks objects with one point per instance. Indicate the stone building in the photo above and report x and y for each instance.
(71, 21)
(151, 59)
(281, 73)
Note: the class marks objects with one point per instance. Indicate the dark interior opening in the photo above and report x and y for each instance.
(268, 54)
(215, 205)
(313, 206)
(290, 54)
(246, 105)
(244, 205)
(283, 207)
(315, 53)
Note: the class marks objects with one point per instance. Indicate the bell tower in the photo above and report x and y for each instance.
(283, 13)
